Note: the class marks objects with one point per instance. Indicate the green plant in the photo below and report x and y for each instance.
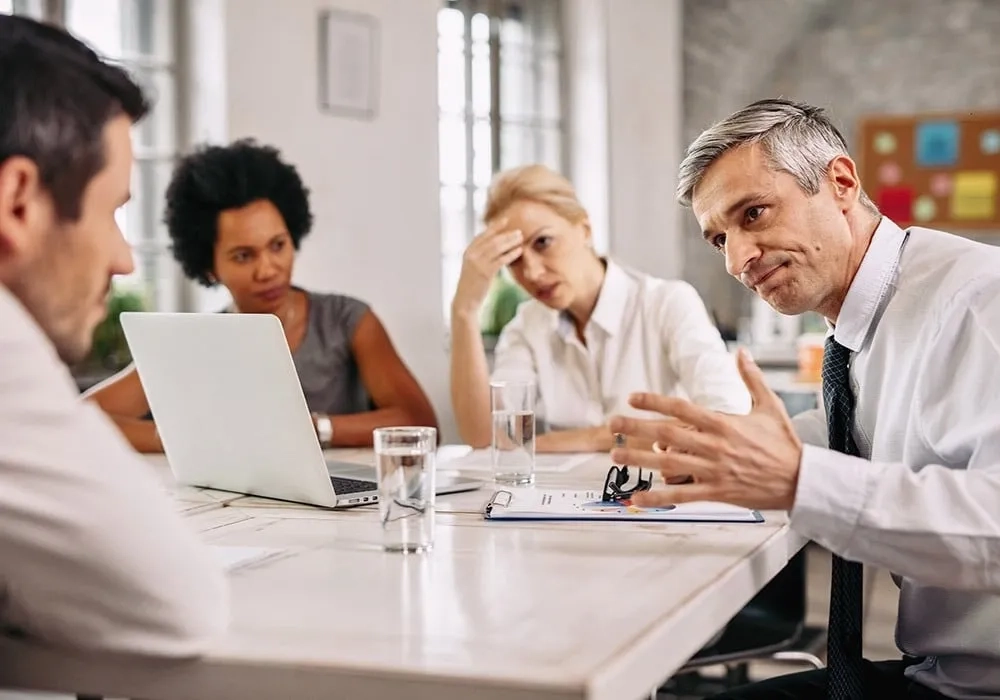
(501, 304)
(110, 350)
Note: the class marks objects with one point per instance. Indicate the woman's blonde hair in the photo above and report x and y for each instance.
(535, 183)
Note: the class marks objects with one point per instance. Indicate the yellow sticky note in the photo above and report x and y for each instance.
(974, 195)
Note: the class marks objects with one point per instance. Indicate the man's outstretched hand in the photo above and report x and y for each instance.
(748, 460)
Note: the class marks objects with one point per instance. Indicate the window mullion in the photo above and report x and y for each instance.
(537, 131)
(470, 184)
(496, 18)
(54, 12)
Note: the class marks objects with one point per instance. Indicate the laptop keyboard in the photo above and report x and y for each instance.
(345, 486)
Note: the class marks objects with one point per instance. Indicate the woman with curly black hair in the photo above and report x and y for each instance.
(236, 215)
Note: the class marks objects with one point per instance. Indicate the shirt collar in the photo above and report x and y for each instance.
(612, 300)
(872, 282)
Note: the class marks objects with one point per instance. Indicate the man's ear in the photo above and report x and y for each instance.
(844, 180)
(24, 205)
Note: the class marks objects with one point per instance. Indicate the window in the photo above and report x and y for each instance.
(500, 101)
(140, 36)
(29, 8)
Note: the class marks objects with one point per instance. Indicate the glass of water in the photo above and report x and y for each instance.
(404, 465)
(513, 448)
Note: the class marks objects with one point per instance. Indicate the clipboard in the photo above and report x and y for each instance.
(586, 505)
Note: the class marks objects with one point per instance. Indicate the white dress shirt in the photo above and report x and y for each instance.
(923, 319)
(92, 552)
(645, 334)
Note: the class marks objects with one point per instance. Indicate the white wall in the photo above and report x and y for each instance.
(374, 184)
(253, 72)
(645, 92)
(625, 63)
(585, 52)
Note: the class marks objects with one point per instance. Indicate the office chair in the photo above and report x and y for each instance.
(771, 626)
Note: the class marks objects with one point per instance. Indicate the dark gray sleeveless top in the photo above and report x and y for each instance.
(324, 361)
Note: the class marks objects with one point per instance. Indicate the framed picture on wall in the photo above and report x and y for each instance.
(348, 63)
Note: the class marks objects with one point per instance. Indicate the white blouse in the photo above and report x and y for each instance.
(646, 334)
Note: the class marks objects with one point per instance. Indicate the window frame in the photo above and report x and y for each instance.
(533, 121)
(159, 278)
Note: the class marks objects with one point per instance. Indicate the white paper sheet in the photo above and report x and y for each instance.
(585, 504)
(480, 460)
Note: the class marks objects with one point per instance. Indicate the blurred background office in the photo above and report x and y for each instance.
(398, 112)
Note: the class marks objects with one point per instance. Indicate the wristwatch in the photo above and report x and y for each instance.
(324, 428)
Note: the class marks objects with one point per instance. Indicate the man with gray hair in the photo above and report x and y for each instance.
(901, 468)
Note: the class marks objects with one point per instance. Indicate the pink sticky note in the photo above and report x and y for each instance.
(889, 174)
(940, 185)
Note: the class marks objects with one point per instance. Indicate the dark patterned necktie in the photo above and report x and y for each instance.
(844, 655)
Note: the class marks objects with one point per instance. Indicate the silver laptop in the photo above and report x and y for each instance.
(231, 414)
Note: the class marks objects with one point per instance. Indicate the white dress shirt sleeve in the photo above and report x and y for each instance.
(706, 369)
(810, 426)
(937, 523)
(92, 553)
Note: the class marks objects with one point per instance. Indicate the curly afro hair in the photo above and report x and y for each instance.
(214, 179)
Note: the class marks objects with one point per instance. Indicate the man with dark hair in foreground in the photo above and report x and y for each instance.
(92, 553)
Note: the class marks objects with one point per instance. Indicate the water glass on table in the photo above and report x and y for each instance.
(404, 465)
(512, 449)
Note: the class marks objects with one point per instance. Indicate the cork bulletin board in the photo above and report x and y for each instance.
(938, 170)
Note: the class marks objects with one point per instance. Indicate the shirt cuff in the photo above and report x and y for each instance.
(830, 496)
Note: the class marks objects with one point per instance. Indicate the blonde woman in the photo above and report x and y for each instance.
(593, 332)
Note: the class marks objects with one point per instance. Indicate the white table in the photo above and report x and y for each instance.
(496, 610)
